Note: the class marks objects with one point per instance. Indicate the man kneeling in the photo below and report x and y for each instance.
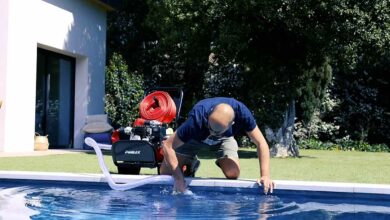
(213, 123)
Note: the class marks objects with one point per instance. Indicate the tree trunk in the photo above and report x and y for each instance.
(281, 140)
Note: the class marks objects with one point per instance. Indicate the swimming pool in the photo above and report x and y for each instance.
(88, 197)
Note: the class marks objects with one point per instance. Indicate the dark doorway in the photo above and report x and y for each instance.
(54, 106)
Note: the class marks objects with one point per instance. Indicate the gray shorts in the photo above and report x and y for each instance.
(227, 148)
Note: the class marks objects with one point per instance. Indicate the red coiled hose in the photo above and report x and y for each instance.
(157, 106)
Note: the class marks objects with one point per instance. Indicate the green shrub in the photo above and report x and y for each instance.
(363, 146)
(315, 144)
(124, 91)
(345, 144)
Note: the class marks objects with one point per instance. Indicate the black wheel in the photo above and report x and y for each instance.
(129, 170)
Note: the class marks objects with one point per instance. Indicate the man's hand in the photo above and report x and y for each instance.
(267, 183)
(170, 164)
(180, 186)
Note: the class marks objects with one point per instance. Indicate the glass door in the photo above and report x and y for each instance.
(55, 98)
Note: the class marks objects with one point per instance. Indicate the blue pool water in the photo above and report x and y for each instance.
(54, 200)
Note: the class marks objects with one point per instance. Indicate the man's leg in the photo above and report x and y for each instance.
(228, 158)
(230, 167)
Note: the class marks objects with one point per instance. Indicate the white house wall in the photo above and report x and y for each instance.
(3, 64)
(76, 28)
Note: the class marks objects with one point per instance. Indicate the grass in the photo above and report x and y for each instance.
(313, 165)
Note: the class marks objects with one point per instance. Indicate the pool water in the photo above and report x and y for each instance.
(48, 200)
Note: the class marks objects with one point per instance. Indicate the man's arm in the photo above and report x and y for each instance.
(171, 164)
(264, 158)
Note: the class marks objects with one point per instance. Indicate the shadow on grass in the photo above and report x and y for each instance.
(299, 157)
(105, 152)
(243, 153)
(247, 154)
(308, 157)
(206, 153)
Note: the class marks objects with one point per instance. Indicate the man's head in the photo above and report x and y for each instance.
(220, 119)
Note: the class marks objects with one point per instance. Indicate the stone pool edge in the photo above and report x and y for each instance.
(205, 182)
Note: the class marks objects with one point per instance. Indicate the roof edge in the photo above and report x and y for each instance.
(104, 5)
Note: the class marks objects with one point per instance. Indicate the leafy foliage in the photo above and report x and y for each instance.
(268, 54)
(223, 80)
(124, 91)
(180, 47)
(126, 34)
(361, 65)
(317, 127)
(345, 145)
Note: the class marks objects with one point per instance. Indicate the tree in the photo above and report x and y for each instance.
(360, 61)
(181, 47)
(279, 62)
(279, 57)
(126, 34)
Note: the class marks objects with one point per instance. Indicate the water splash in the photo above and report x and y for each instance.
(14, 205)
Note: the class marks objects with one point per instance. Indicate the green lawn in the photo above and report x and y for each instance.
(313, 165)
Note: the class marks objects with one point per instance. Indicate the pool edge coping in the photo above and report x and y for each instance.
(205, 182)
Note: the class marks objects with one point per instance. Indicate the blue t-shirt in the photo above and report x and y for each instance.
(196, 126)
